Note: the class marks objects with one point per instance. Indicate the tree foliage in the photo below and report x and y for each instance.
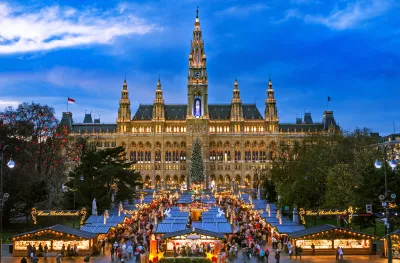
(36, 144)
(99, 174)
(332, 171)
(196, 164)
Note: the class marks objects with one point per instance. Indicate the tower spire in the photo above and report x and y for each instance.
(197, 77)
(158, 107)
(236, 105)
(271, 111)
(124, 111)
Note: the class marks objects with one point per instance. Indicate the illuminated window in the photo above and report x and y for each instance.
(197, 107)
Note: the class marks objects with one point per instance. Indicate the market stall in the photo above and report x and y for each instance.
(54, 237)
(395, 237)
(327, 238)
(191, 239)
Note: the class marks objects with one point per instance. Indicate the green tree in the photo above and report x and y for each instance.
(196, 164)
(36, 144)
(331, 170)
(100, 174)
(340, 187)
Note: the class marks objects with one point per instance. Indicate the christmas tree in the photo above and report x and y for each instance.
(196, 164)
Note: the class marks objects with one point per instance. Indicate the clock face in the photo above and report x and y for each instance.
(197, 74)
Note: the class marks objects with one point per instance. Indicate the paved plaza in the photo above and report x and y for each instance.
(7, 258)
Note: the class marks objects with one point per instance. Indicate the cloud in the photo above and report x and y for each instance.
(8, 103)
(241, 10)
(60, 27)
(351, 16)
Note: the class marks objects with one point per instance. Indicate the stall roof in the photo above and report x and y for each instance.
(62, 229)
(96, 229)
(214, 220)
(114, 220)
(179, 214)
(169, 227)
(397, 232)
(175, 220)
(225, 228)
(288, 229)
(323, 228)
(194, 230)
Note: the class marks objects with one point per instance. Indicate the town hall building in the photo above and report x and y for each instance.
(235, 137)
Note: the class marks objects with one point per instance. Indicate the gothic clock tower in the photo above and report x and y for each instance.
(197, 77)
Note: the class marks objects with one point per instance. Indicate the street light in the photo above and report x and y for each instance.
(3, 196)
(393, 165)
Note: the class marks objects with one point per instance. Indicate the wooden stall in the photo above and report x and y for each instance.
(191, 237)
(55, 237)
(327, 238)
(395, 237)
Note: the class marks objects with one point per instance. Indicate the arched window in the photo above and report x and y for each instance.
(168, 156)
(147, 156)
(237, 155)
(197, 107)
(263, 155)
(133, 156)
(227, 156)
(140, 155)
(247, 155)
(158, 156)
(212, 155)
(219, 156)
(183, 156)
(255, 155)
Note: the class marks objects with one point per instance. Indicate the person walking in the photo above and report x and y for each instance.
(58, 258)
(112, 250)
(46, 249)
(290, 252)
(313, 249)
(23, 260)
(267, 255)
(262, 255)
(35, 259)
(300, 251)
(337, 253)
(341, 254)
(296, 251)
(29, 249)
(130, 251)
(87, 258)
(69, 251)
(63, 251)
(277, 255)
(103, 247)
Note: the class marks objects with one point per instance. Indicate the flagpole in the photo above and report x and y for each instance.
(67, 104)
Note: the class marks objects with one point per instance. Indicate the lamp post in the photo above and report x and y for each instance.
(3, 196)
(378, 165)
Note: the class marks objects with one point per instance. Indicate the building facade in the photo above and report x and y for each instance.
(235, 137)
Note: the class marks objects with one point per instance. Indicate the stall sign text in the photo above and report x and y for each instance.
(326, 212)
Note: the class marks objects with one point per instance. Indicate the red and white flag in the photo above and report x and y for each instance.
(71, 101)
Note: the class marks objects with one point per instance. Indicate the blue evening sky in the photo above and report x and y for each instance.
(348, 50)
